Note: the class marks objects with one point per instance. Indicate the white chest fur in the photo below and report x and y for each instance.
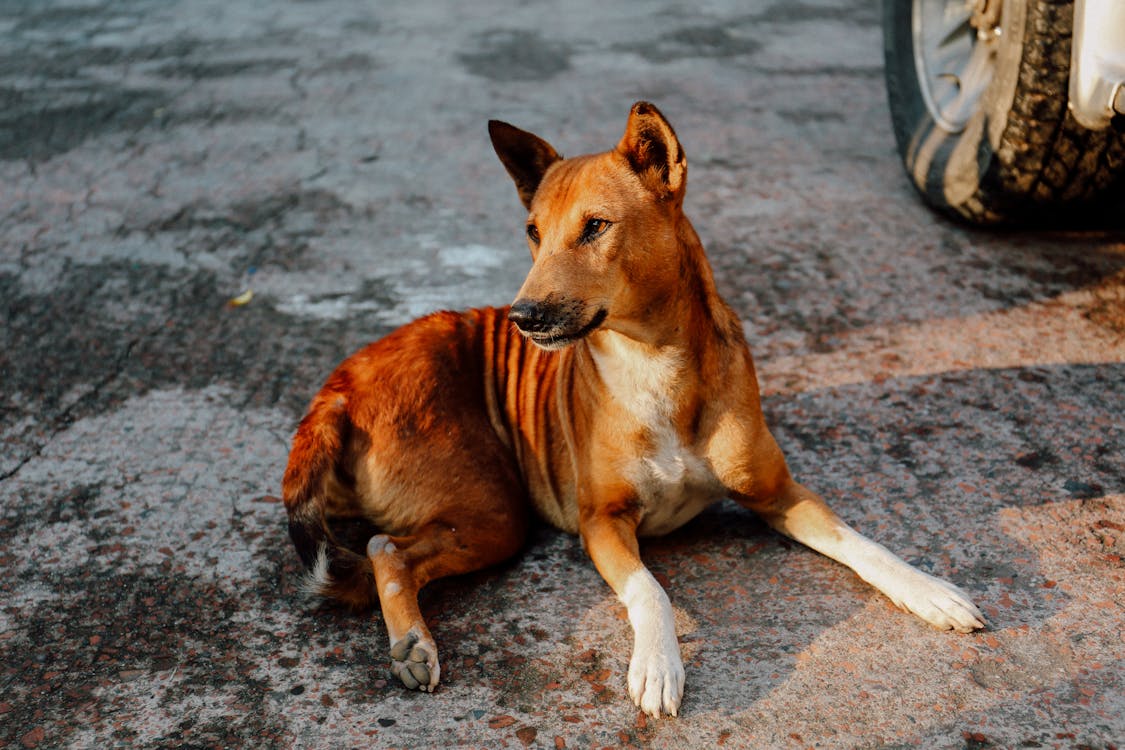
(673, 482)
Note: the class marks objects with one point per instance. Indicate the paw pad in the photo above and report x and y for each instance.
(415, 663)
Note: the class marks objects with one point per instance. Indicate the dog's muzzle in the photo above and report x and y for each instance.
(553, 325)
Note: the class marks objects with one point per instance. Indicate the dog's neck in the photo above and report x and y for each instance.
(688, 314)
(688, 327)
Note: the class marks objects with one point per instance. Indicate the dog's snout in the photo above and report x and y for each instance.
(529, 316)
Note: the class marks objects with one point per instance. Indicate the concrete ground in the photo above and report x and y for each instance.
(957, 395)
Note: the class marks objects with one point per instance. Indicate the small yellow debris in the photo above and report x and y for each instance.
(242, 299)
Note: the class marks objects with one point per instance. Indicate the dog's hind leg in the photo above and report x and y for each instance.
(482, 528)
(802, 515)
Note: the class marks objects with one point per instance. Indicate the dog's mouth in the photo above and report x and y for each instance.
(559, 339)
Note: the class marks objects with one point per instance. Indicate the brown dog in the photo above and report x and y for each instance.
(627, 405)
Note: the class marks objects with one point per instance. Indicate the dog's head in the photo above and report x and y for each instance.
(602, 228)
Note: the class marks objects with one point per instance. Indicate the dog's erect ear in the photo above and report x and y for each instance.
(653, 151)
(525, 156)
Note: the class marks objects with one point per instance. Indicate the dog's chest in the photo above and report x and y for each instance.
(672, 480)
(673, 484)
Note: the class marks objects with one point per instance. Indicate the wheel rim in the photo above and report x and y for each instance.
(955, 45)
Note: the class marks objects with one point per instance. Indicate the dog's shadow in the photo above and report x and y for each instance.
(762, 621)
(748, 601)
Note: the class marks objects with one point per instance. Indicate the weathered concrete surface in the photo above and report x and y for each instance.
(956, 395)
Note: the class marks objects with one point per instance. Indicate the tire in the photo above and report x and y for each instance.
(1013, 153)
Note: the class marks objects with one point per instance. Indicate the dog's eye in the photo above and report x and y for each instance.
(593, 228)
(533, 233)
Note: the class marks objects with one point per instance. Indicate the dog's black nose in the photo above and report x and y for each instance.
(529, 316)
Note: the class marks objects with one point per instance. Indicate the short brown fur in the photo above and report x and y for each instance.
(616, 397)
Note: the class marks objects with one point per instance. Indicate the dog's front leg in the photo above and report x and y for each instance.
(656, 671)
(801, 514)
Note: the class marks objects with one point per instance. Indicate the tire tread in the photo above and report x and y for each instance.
(1044, 163)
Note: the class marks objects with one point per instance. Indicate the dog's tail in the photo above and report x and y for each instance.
(333, 570)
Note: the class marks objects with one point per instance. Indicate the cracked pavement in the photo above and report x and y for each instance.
(956, 395)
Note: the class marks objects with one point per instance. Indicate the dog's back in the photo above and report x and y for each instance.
(382, 440)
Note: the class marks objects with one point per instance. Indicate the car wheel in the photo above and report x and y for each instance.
(978, 99)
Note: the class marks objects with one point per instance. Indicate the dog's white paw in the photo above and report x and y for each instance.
(414, 661)
(656, 672)
(938, 602)
(656, 678)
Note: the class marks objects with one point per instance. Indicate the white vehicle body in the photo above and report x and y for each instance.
(1097, 70)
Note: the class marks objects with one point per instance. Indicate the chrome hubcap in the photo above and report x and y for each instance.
(955, 43)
